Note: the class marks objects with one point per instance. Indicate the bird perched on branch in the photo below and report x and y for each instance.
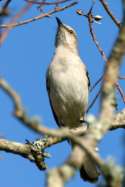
(68, 87)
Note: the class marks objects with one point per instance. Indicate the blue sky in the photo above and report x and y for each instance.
(25, 56)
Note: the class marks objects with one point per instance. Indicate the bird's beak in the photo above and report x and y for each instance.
(59, 21)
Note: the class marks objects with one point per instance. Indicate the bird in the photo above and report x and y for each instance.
(67, 82)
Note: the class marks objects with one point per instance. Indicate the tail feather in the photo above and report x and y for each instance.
(89, 171)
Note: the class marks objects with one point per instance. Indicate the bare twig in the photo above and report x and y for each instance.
(120, 90)
(94, 38)
(122, 77)
(94, 100)
(41, 16)
(48, 3)
(18, 15)
(122, 94)
(91, 18)
(6, 4)
(96, 83)
(4, 10)
(106, 7)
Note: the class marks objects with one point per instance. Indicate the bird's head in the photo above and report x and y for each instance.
(65, 35)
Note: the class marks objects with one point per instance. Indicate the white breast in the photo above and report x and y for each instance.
(68, 89)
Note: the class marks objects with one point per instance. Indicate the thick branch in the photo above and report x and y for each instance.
(56, 136)
(16, 148)
(111, 74)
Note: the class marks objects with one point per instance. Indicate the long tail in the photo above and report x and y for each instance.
(89, 171)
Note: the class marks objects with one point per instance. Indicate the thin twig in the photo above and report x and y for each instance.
(13, 20)
(122, 77)
(106, 7)
(95, 40)
(41, 16)
(120, 90)
(122, 94)
(7, 2)
(94, 100)
(4, 10)
(91, 19)
(48, 3)
(96, 83)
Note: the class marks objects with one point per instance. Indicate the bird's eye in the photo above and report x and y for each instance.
(71, 31)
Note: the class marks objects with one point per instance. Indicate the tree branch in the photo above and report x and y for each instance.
(41, 16)
(106, 7)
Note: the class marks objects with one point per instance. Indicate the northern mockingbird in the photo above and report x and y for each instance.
(68, 86)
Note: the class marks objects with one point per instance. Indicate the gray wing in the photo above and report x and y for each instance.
(48, 90)
(87, 74)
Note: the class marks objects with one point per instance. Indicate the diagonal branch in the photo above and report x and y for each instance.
(112, 72)
(41, 16)
(4, 10)
(19, 111)
(106, 7)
